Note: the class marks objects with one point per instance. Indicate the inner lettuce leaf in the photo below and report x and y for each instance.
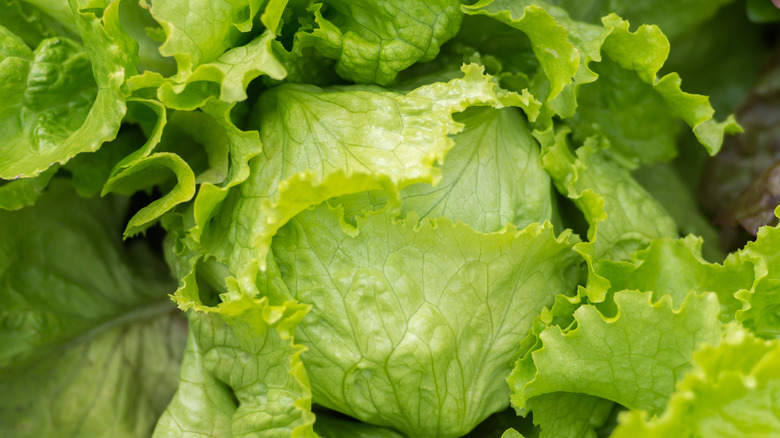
(323, 143)
(89, 341)
(490, 178)
(373, 40)
(401, 312)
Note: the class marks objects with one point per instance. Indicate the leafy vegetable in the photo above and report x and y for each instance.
(385, 219)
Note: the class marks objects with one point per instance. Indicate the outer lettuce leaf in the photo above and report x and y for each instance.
(634, 358)
(565, 48)
(88, 343)
(57, 110)
(373, 40)
(622, 217)
(762, 303)
(207, 41)
(675, 268)
(731, 391)
(322, 143)
(242, 374)
(400, 313)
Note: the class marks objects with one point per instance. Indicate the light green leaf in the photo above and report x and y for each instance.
(548, 30)
(731, 391)
(206, 39)
(761, 312)
(491, 177)
(412, 326)
(322, 143)
(225, 78)
(634, 358)
(88, 343)
(143, 170)
(372, 40)
(621, 215)
(565, 49)
(242, 374)
(675, 268)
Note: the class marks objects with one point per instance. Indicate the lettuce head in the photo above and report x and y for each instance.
(378, 218)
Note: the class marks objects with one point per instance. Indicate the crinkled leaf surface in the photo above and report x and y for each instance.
(241, 374)
(372, 40)
(322, 143)
(634, 358)
(64, 100)
(491, 177)
(762, 312)
(731, 391)
(565, 48)
(400, 313)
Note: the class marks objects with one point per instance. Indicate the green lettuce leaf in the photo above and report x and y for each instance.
(622, 217)
(373, 40)
(569, 415)
(208, 42)
(24, 192)
(63, 100)
(400, 311)
(88, 343)
(675, 268)
(241, 374)
(731, 391)
(634, 358)
(322, 143)
(761, 309)
(34, 23)
(565, 49)
(491, 177)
